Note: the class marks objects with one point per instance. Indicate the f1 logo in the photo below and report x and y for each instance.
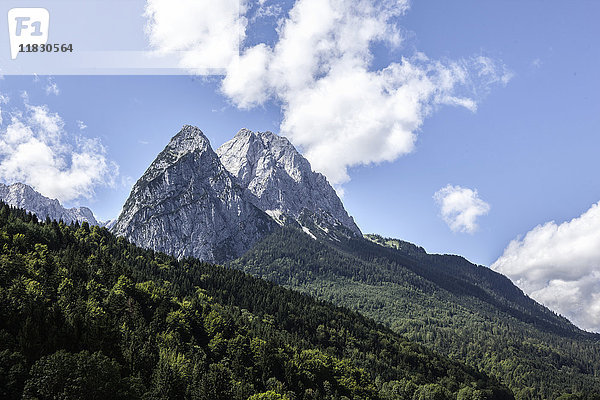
(27, 26)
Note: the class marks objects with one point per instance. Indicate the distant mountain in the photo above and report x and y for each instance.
(188, 204)
(284, 184)
(24, 196)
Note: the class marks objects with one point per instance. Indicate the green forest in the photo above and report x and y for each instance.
(87, 315)
(466, 312)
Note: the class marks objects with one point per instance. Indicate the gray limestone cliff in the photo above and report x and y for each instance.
(188, 204)
(24, 196)
(284, 184)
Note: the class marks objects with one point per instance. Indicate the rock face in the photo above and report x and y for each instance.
(283, 183)
(24, 196)
(188, 204)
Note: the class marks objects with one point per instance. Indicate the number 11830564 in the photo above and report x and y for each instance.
(46, 48)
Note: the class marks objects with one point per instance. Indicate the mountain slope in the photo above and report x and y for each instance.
(467, 312)
(24, 196)
(283, 182)
(187, 204)
(84, 314)
(191, 202)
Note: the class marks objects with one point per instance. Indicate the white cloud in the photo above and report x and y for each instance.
(206, 32)
(338, 109)
(81, 125)
(490, 72)
(267, 11)
(50, 125)
(460, 207)
(559, 266)
(52, 87)
(246, 81)
(35, 149)
(4, 99)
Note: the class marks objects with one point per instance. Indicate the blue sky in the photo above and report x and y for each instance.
(527, 145)
(531, 147)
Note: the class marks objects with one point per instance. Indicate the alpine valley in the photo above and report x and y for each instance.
(305, 306)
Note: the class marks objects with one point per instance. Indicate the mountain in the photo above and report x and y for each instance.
(284, 184)
(24, 196)
(464, 311)
(257, 199)
(87, 315)
(188, 204)
(193, 201)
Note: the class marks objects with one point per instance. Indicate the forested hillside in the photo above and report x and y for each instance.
(467, 312)
(86, 315)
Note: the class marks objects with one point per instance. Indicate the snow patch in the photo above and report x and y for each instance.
(308, 232)
(323, 228)
(276, 215)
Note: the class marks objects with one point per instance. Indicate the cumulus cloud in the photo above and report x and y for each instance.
(559, 266)
(337, 106)
(460, 207)
(203, 34)
(338, 109)
(35, 149)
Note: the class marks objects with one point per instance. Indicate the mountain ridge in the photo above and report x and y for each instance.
(467, 312)
(24, 196)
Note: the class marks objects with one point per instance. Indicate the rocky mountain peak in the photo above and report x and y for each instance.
(188, 204)
(193, 201)
(189, 138)
(251, 154)
(282, 180)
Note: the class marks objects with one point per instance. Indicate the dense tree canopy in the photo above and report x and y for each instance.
(464, 311)
(84, 314)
